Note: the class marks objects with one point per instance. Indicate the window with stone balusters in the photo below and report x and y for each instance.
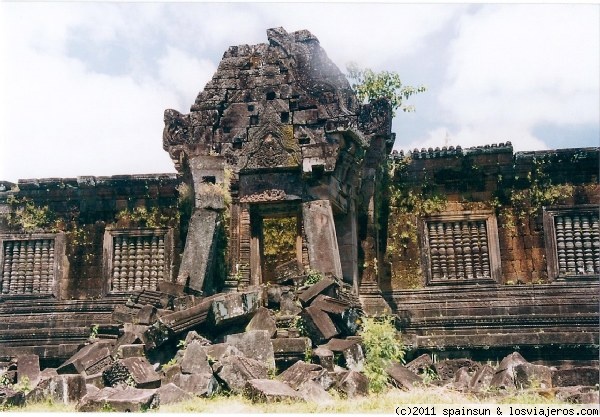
(136, 259)
(29, 264)
(572, 242)
(460, 248)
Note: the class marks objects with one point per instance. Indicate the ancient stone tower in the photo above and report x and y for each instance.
(278, 132)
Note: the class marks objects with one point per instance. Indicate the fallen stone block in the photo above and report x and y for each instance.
(91, 359)
(11, 398)
(301, 372)
(314, 392)
(446, 369)
(269, 390)
(235, 371)
(573, 376)
(171, 393)
(95, 380)
(528, 375)
(402, 377)
(146, 315)
(319, 325)
(28, 369)
(66, 389)
(462, 379)
(324, 357)
(130, 351)
(288, 304)
(421, 364)
(200, 385)
(136, 371)
(504, 377)
(194, 360)
(578, 395)
(234, 307)
(194, 337)
(168, 372)
(125, 400)
(290, 350)
(343, 314)
(351, 350)
(255, 344)
(327, 286)
(263, 320)
(354, 384)
(217, 352)
(482, 378)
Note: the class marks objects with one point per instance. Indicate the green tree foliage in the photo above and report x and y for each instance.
(370, 85)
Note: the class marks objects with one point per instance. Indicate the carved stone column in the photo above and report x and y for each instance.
(319, 228)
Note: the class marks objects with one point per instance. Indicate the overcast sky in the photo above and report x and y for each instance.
(84, 85)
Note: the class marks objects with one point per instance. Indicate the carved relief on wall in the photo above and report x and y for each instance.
(572, 242)
(137, 259)
(29, 264)
(271, 146)
(460, 248)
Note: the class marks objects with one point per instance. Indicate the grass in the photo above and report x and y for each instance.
(385, 402)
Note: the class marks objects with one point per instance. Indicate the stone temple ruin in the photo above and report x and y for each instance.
(478, 251)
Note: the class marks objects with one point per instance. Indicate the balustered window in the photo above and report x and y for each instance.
(28, 264)
(137, 259)
(460, 248)
(572, 242)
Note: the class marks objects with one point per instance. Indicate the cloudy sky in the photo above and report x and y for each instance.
(84, 85)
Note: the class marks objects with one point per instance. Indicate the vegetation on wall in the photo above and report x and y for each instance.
(27, 216)
(279, 241)
(370, 85)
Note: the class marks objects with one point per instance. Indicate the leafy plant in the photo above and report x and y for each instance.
(312, 277)
(369, 86)
(28, 216)
(94, 332)
(383, 346)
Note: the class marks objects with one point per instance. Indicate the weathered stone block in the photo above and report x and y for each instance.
(171, 393)
(482, 378)
(324, 357)
(234, 306)
(28, 369)
(354, 384)
(194, 360)
(263, 320)
(10, 398)
(255, 344)
(504, 377)
(314, 392)
(201, 385)
(462, 379)
(324, 286)
(269, 390)
(235, 371)
(319, 325)
(131, 351)
(528, 375)
(301, 372)
(446, 369)
(91, 359)
(132, 370)
(125, 400)
(402, 377)
(420, 364)
(67, 389)
(581, 375)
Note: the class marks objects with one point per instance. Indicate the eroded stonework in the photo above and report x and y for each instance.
(282, 121)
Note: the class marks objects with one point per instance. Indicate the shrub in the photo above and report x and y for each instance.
(382, 347)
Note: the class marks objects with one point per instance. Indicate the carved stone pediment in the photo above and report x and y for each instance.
(271, 146)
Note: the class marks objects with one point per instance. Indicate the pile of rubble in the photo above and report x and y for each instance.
(269, 344)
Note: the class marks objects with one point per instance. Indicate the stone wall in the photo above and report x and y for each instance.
(66, 228)
(438, 196)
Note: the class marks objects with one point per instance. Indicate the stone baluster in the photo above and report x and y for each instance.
(153, 262)
(466, 249)
(570, 246)
(131, 258)
(146, 262)
(434, 250)
(476, 251)
(595, 237)
(22, 271)
(117, 263)
(442, 252)
(561, 248)
(161, 259)
(449, 243)
(485, 253)
(139, 262)
(7, 267)
(46, 273)
(586, 237)
(37, 266)
(578, 244)
(28, 284)
(458, 251)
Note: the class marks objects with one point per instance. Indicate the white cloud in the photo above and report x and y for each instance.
(515, 67)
